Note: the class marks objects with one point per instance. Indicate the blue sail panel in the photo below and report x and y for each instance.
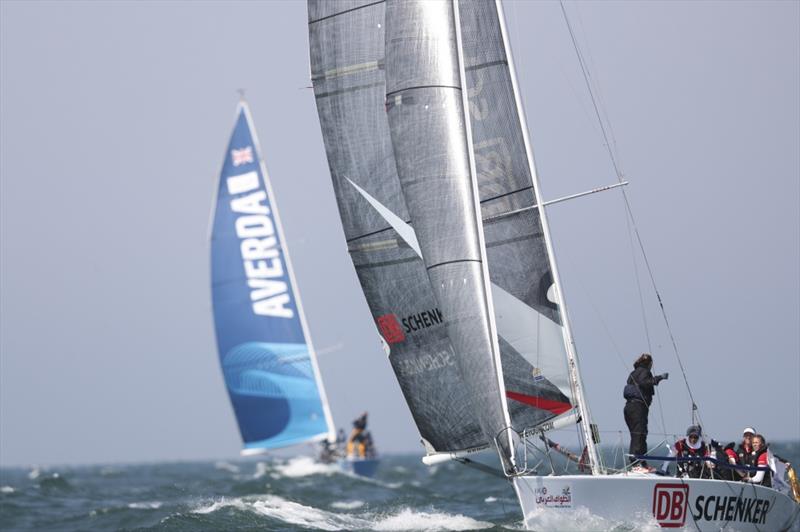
(267, 359)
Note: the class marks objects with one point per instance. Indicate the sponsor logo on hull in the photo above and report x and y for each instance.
(550, 499)
(731, 508)
(669, 504)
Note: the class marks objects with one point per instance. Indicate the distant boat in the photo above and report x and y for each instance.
(441, 208)
(268, 360)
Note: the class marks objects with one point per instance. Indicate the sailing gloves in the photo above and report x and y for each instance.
(662, 377)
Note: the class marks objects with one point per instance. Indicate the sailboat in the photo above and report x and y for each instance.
(265, 349)
(439, 199)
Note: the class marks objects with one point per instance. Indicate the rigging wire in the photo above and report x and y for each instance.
(695, 414)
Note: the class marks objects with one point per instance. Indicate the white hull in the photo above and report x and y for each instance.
(650, 499)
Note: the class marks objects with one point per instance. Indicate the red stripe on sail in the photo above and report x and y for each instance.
(556, 407)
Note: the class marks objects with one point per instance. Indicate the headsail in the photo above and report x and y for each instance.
(267, 359)
(529, 320)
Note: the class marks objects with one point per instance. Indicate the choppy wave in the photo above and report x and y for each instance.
(294, 513)
(289, 512)
(347, 505)
(149, 505)
(581, 520)
(409, 519)
(227, 466)
(275, 494)
(303, 466)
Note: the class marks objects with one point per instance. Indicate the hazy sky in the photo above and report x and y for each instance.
(114, 121)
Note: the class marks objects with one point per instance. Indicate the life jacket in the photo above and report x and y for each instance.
(745, 457)
(767, 480)
(693, 469)
(723, 456)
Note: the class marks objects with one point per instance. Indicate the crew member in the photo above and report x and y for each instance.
(760, 460)
(724, 455)
(744, 453)
(638, 394)
(691, 447)
(356, 440)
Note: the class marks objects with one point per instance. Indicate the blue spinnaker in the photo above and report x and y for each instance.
(266, 354)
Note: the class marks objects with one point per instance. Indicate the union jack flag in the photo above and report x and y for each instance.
(243, 156)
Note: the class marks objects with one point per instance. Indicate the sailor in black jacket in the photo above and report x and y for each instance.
(638, 394)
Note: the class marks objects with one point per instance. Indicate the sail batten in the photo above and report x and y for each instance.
(267, 357)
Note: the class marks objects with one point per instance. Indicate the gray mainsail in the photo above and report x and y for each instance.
(426, 120)
(347, 55)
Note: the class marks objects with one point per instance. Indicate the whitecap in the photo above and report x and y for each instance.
(288, 512)
(261, 469)
(490, 499)
(34, 473)
(409, 519)
(347, 505)
(226, 466)
(302, 466)
(7, 489)
(148, 505)
(581, 519)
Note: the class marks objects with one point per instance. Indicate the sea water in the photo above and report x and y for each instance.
(274, 494)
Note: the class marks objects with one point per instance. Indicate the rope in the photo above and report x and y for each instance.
(695, 415)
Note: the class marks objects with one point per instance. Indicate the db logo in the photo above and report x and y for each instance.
(669, 504)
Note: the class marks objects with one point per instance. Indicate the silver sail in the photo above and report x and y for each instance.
(456, 395)
(347, 64)
(427, 125)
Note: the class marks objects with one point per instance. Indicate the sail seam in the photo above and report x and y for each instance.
(344, 91)
(486, 65)
(386, 263)
(365, 235)
(310, 22)
(389, 94)
(513, 240)
(432, 266)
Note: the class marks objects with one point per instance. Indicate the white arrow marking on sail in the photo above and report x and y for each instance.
(405, 231)
(528, 331)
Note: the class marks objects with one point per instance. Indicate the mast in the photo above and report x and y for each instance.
(574, 372)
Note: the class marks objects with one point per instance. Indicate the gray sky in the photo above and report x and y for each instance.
(114, 121)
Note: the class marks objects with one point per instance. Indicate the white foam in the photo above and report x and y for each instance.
(7, 489)
(490, 499)
(147, 505)
(347, 505)
(227, 466)
(261, 469)
(409, 519)
(289, 512)
(34, 473)
(303, 466)
(582, 520)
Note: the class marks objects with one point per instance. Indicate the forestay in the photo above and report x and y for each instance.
(266, 354)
